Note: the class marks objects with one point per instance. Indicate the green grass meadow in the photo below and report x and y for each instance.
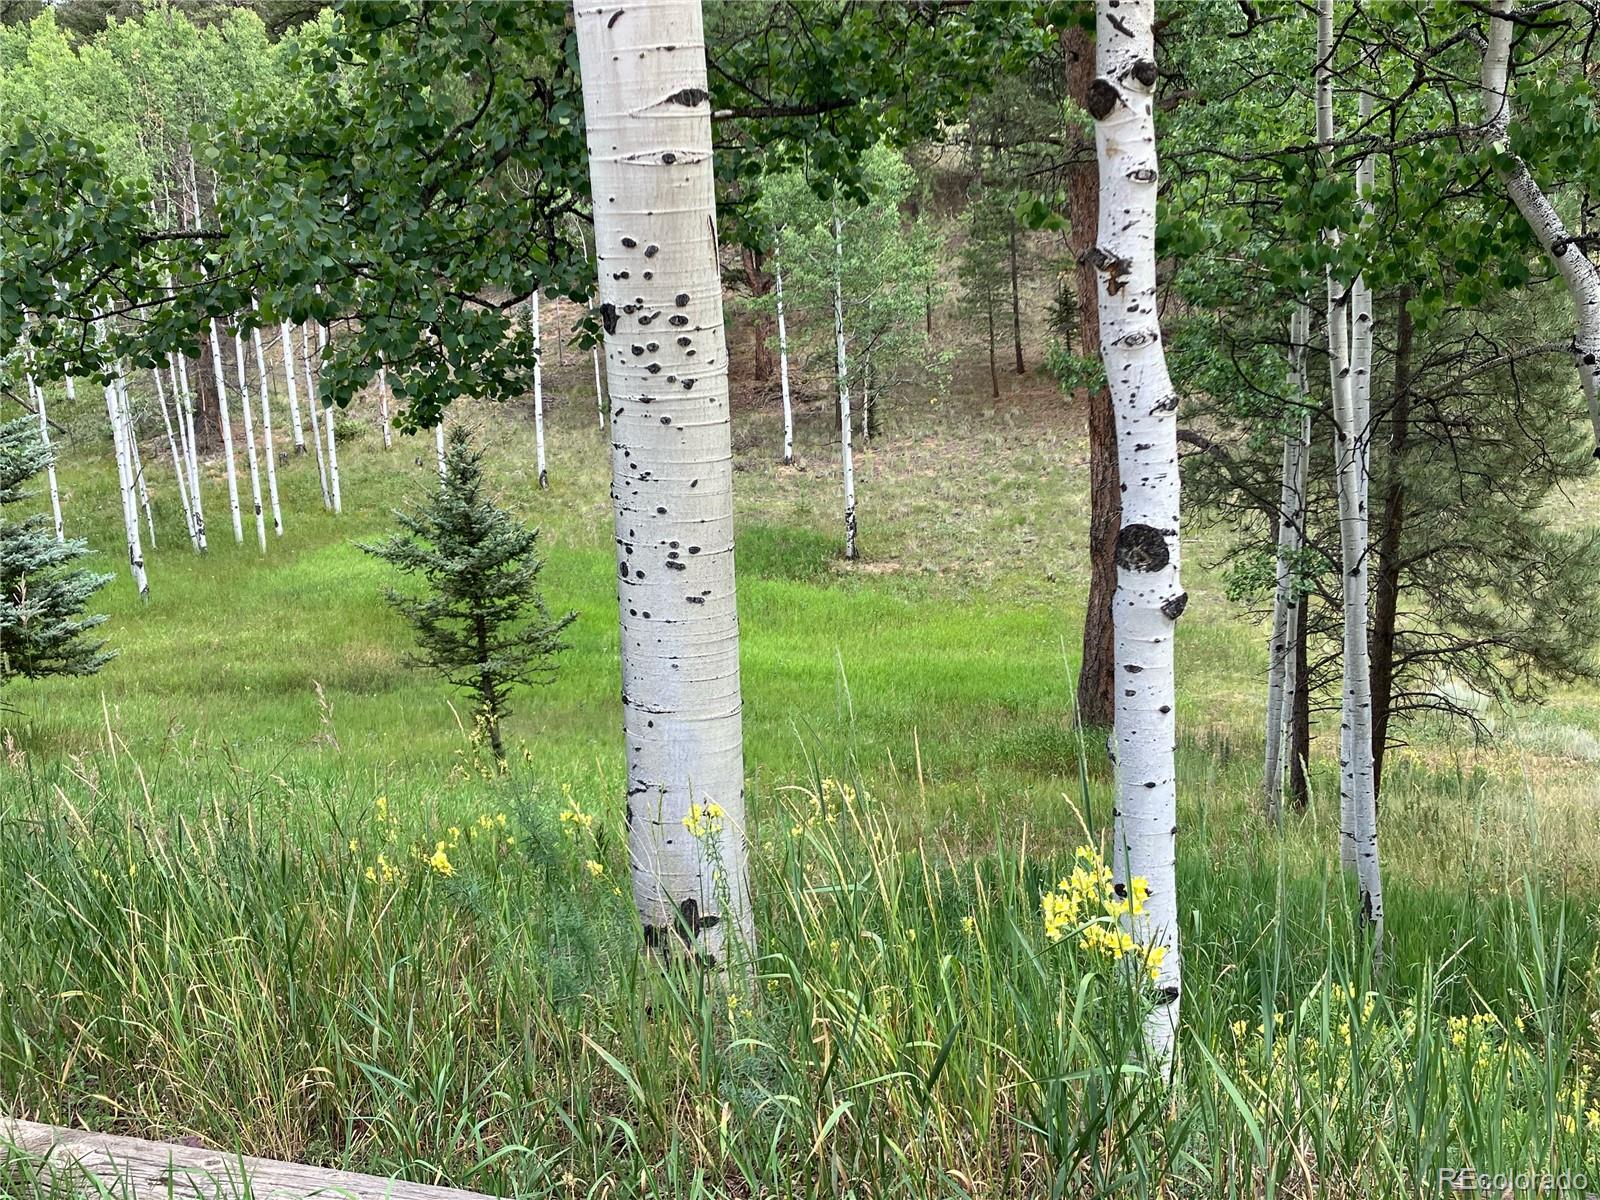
(221, 922)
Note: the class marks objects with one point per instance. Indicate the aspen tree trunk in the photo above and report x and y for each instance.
(1286, 603)
(227, 432)
(37, 393)
(179, 466)
(847, 459)
(312, 406)
(1357, 799)
(130, 511)
(130, 439)
(285, 343)
(1578, 271)
(383, 405)
(648, 115)
(180, 382)
(250, 439)
(783, 365)
(266, 428)
(538, 391)
(1149, 596)
(181, 455)
(438, 445)
(327, 428)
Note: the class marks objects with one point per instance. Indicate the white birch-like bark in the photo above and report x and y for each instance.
(1149, 596)
(36, 393)
(312, 408)
(250, 439)
(1286, 600)
(130, 440)
(286, 343)
(226, 420)
(538, 391)
(1578, 271)
(130, 510)
(327, 428)
(179, 372)
(648, 118)
(841, 367)
(271, 454)
(783, 364)
(1358, 828)
(180, 467)
(383, 404)
(438, 445)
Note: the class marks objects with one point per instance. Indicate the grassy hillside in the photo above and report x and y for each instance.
(201, 950)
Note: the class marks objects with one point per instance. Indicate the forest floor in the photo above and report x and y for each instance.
(935, 676)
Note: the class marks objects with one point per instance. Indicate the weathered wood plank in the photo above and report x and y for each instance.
(123, 1168)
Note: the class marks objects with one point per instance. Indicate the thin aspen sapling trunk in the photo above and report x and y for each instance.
(130, 512)
(37, 394)
(178, 373)
(783, 364)
(180, 466)
(135, 461)
(841, 364)
(312, 408)
(285, 344)
(538, 391)
(250, 439)
(328, 423)
(266, 429)
(227, 433)
(1149, 597)
(648, 116)
(383, 405)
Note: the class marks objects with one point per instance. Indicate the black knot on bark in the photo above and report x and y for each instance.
(1142, 548)
(608, 317)
(689, 97)
(1145, 72)
(1102, 98)
(1173, 608)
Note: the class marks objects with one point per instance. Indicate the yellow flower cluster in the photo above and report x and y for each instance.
(1086, 902)
(573, 818)
(440, 861)
(825, 807)
(704, 820)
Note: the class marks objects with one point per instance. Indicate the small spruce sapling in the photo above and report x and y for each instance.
(43, 592)
(480, 620)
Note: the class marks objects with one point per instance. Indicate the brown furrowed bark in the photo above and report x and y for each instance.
(1386, 589)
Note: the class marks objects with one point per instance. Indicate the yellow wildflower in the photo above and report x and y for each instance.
(595, 869)
(969, 923)
(704, 820)
(440, 861)
(574, 818)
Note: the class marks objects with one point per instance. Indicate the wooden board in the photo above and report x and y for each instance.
(123, 1168)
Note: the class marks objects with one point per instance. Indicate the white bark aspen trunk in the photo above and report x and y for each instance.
(1286, 601)
(37, 394)
(270, 450)
(250, 439)
(1149, 597)
(179, 370)
(1358, 827)
(1578, 271)
(383, 405)
(286, 343)
(312, 406)
(180, 467)
(841, 367)
(648, 119)
(783, 365)
(226, 421)
(130, 511)
(327, 428)
(438, 445)
(538, 391)
(130, 439)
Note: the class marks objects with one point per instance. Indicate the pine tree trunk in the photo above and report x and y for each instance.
(1358, 816)
(1149, 596)
(286, 343)
(271, 454)
(227, 433)
(1016, 300)
(846, 457)
(994, 368)
(648, 120)
(1386, 587)
(313, 407)
(783, 366)
(1578, 271)
(1097, 673)
(250, 439)
(538, 391)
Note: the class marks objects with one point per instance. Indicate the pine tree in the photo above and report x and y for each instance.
(42, 592)
(480, 621)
